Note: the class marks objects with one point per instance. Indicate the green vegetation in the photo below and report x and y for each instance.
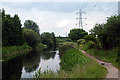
(31, 38)
(14, 36)
(76, 34)
(71, 58)
(80, 41)
(15, 51)
(110, 56)
(64, 47)
(63, 40)
(29, 24)
(11, 30)
(88, 38)
(106, 44)
(78, 66)
(48, 39)
(40, 46)
(108, 34)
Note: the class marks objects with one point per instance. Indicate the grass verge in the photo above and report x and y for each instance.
(14, 51)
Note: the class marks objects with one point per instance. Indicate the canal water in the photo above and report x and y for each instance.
(25, 66)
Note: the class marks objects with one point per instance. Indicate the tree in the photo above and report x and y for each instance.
(109, 33)
(32, 38)
(97, 29)
(76, 34)
(112, 28)
(49, 39)
(29, 24)
(11, 30)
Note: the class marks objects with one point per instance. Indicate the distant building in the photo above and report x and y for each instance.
(119, 7)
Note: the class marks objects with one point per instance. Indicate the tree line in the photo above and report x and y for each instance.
(14, 35)
(103, 36)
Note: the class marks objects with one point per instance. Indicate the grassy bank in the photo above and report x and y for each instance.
(110, 56)
(14, 51)
(74, 64)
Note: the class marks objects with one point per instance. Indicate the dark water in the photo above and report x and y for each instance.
(25, 66)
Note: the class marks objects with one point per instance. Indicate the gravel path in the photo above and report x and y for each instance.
(112, 71)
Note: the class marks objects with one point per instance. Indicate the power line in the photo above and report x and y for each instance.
(85, 5)
(103, 11)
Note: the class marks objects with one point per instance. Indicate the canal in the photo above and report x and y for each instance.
(25, 66)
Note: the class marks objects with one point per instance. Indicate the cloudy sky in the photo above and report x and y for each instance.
(60, 17)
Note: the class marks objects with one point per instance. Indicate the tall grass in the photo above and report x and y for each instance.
(74, 64)
(71, 58)
(13, 51)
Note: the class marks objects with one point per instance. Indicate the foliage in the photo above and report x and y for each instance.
(13, 51)
(63, 48)
(29, 24)
(80, 41)
(49, 39)
(97, 29)
(11, 30)
(61, 40)
(109, 33)
(90, 38)
(40, 46)
(88, 45)
(32, 38)
(76, 34)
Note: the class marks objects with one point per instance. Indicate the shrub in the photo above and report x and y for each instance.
(80, 41)
(88, 45)
(32, 38)
(91, 44)
(40, 46)
(63, 48)
(90, 38)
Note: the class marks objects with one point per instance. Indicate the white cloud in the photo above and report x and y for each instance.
(58, 22)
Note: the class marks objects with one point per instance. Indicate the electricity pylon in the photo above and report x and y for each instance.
(80, 18)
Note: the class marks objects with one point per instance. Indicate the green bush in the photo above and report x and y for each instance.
(80, 41)
(63, 48)
(40, 46)
(48, 39)
(32, 38)
(88, 45)
(90, 38)
(91, 44)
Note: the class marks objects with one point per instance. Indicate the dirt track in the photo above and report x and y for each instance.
(112, 71)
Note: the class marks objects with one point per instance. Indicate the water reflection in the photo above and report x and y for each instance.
(31, 61)
(25, 66)
(12, 69)
(46, 59)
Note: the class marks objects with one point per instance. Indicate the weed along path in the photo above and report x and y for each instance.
(112, 71)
